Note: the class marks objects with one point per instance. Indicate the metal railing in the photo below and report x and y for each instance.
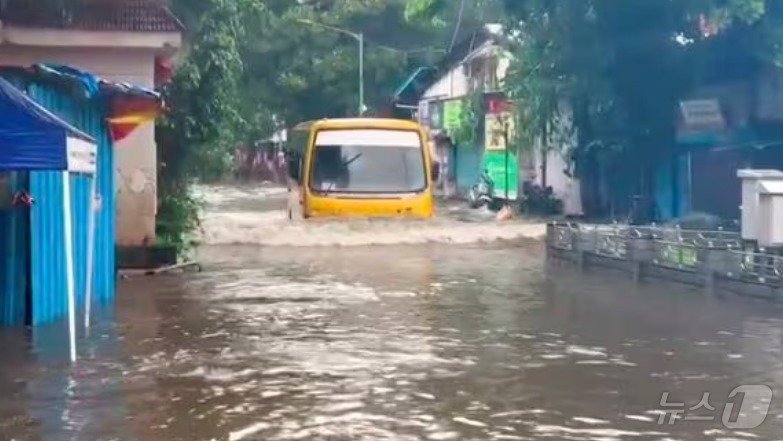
(713, 251)
(564, 236)
(672, 246)
(717, 239)
(761, 267)
(611, 242)
(679, 255)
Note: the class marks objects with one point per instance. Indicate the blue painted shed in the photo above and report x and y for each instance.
(87, 114)
(14, 252)
(32, 252)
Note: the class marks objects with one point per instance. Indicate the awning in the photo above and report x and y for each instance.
(128, 106)
(33, 138)
(411, 89)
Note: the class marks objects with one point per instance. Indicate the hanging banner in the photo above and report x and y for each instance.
(497, 105)
(452, 112)
(435, 115)
(423, 115)
(500, 158)
(129, 113)
(498, 129)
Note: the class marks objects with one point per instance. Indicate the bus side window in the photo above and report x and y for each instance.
(294, 166)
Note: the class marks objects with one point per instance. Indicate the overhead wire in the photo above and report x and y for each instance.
(458, 25)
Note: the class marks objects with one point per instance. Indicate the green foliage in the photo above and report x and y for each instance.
(425, 9)
(620, 64)
(300, 70)
(456, 18)
(466, 132)
(203, 97)
(196, 134)
(623, 66)
(178, 218)
(250, 64)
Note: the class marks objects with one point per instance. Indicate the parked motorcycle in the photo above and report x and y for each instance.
(482, 193)
(540, 200)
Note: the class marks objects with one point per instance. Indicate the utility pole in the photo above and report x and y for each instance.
(506, 147)
(358, 37)
(361, 73)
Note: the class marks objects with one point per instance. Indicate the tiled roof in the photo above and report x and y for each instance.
(92, 15)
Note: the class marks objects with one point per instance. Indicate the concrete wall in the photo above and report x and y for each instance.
(136, 174)
(454, 84)
(558, 167)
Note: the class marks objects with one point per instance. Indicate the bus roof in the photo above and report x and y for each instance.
(358, 123)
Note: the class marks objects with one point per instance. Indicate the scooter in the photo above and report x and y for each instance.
(481, 193)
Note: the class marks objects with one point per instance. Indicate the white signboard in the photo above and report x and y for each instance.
(702, 114)
(424, 112)
(374, 138)
(82, 156)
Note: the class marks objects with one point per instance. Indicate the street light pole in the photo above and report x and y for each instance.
(358, 37)
(361, 74)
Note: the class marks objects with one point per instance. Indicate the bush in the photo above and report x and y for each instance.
(178, 219)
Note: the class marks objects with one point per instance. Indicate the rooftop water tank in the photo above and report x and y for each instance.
(750, 198)
(770, 213)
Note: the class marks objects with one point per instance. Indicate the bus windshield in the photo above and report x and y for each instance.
(368, 161)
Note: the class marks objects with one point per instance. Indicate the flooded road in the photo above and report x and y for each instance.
(258, 216)
(407, 342)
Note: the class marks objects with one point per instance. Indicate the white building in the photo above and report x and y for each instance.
(479, 64)
(119, 40)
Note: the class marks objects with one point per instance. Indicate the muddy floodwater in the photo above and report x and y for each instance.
(405, 342)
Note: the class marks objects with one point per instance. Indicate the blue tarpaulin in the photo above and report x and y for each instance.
(33, 138)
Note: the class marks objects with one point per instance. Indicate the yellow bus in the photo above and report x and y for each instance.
(363, 167)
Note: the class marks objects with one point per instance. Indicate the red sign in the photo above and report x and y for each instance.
(497, 106)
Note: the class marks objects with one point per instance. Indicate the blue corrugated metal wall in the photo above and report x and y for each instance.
(672, 187)
(13, 258)
(14, 248)
(684, 184)
(664, 191)
(467, 161)
(47, 242)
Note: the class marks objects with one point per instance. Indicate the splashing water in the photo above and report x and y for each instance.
(257, 216)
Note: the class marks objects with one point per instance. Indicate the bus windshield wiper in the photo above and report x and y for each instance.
(352, 160)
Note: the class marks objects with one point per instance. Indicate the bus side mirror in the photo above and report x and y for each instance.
(435, 172)
(293, 164)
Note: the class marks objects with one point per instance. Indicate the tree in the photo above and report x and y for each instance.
(300, 71)
(250, 63)
(195, 136)
(624, 66)
(457, 17)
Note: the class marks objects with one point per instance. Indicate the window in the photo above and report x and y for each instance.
(368, 161)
